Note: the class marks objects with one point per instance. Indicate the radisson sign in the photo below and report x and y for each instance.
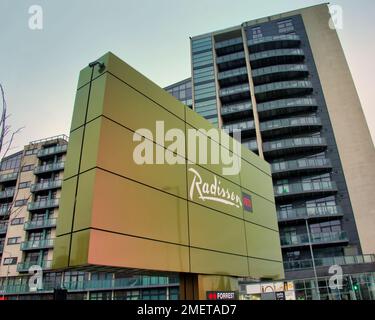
(183, 215)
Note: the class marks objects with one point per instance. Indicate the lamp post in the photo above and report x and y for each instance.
(312, 259)
(7, 274)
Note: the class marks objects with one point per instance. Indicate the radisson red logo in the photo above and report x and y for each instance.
(247, 202)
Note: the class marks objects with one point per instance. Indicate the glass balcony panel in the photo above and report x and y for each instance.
(235, 89)
(234, 108)
(49, 167)
(52, 184)
(8, 177)
(231, 57)
(226, 43)
(53, 150)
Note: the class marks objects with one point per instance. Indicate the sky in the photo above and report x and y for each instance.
(39, 68)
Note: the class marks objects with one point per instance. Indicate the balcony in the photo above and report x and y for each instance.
(5, 210)
(279, 90)
(303, 189)
(46, 185)
(8, 193)
(52, 151)
(231, 61)
(3, 228)
(294, 146)
(276, 57)
(40, 224)
(290, 126)
(310, 213)
(234, 93)
(286, 106)
(246, 127)
(37, 244)
(251, 145)
(229, 46)
(236, 110)
(58, 166)
(43, 204)
(274, 42)
(279, 73)
(301, 240)
(25, 266)
(232, 77)
(9, 177)
(297, 167)
(329, 261)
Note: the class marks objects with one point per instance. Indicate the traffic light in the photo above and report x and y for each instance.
(355, 286)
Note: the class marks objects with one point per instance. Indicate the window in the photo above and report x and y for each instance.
(9, 261)
(285, 26)
(24, 185)
(257, 33)
(326, 227)
(17, 221)
(31, 151)
(20, 203)
(28, 167)
(14, 240)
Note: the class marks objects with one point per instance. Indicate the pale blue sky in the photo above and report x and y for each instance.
(39, 69)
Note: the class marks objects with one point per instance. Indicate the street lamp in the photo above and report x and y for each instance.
(312, 259)
(7, 274)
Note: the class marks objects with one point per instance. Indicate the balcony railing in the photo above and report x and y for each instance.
(49, 167)
(286, 106)
(309, 212)
(304, 187)
(290, 122)
(251, 145)
(287, 86)
(232, 73)
(25, 266)
(53, 150)
(316, 238)
(276, 53)
(9, 193)
(243, 126)
(234, 90)
(278, 69)
(269, 42)
(40, 224)
(305, 142)
(8, 177)
(37, 244)
(236, 108)
(43, 204)
(5, 210)
(329, 261)
(231, 57)
(3, 228)
(299, 165)
(46, 185)
(227, 43)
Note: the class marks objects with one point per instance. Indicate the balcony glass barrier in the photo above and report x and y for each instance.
(53, 150)
(227, 43)
(294, 143)
(238, 107)
(316, 238)
(308, 212)
(231, 57)
(283, 86)
(299, 164)
(235, 89)
(303, 187)
(232, 73)
(49, 167)
(245, 125)
(276, 53)
(279, 69)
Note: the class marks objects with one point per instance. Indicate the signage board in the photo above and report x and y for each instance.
(132, 197)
